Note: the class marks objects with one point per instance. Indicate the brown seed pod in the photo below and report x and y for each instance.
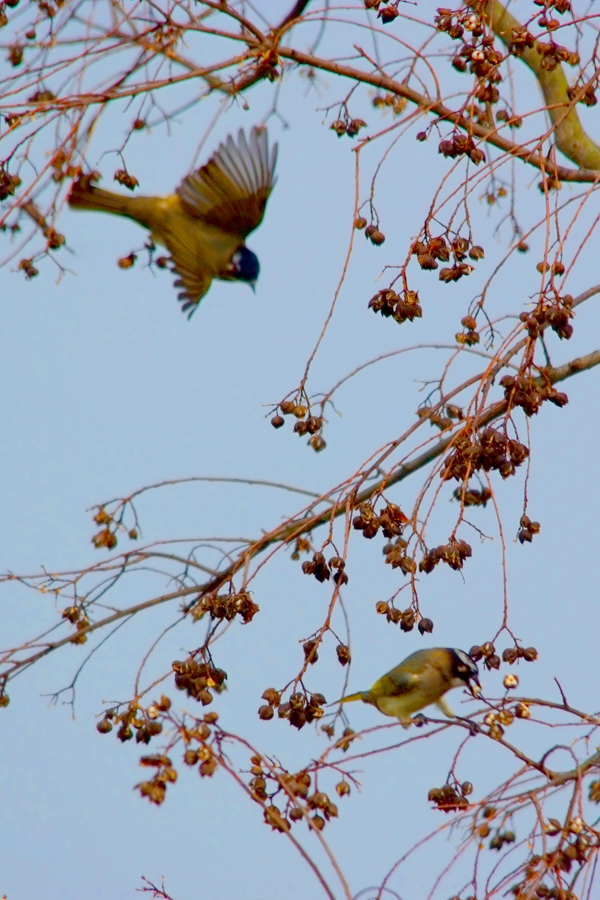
(343, 654)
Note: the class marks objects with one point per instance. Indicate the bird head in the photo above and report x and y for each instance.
(244, 266)
(465, 671)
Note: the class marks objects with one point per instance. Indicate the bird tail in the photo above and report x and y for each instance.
(358, 696)
(85, 196)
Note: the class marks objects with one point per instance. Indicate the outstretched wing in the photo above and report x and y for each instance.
(230, 192)
(194, 277)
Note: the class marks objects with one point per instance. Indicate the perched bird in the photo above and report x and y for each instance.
(205, 222)
(422, 678)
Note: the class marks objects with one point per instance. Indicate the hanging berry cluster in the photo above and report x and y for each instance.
(401, 307)
(430, 250)
(306, 423)
(529, 393)
(198, 679)
(488, 450)
(299, 709)
(226, 606)
(321, 569)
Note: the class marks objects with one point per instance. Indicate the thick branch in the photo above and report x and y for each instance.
(304, 524)
(443, 112)
(571, 139)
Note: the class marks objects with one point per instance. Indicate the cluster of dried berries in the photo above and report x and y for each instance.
(391, 520)
(406, 618)
(559, 6)
(156, 789)
(302, 545)
(479, 55)
(469, 336)
(529, 393)
(321, 569)
(527, 529)
(513, 654)
(484, 830)
(311, 654)
(481, 59)
(442, 418)
(472, 496)
(27, 266)
(388, 13)
(317, 808)
(555, 316)
(594, 791)
(204, 754)
(372, 232)
(107, 536)
(453, 554)
(433, 249)
(487, 652)
(390, 101)
(143, 721)
(396, 557)
(273, 699)
(41, 96)
(449, 797)
(15, 55)
(498, 721)
(348, 126)
(299, 709)
(226, 606)
(503, 115)
(198, 679)
(588, 98)
(401, 307)
(127, 180)
(487, 450)
(305, 424)
(76, 616)
(8, 183)
(501, 838)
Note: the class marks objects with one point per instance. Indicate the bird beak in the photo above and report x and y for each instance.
(253, 286)
(475, 686)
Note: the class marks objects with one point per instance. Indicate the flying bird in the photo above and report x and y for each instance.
(204, 224)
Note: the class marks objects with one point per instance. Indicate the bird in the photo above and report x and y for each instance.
(419, 680)
(203, 224)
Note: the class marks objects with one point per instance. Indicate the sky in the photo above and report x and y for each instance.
(106, 388)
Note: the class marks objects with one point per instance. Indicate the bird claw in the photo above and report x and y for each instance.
(473, 727)
(419, 720)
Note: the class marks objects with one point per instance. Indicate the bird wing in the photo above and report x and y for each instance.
(393, 685)
(194, 283)
(230, 192)
(194, 277)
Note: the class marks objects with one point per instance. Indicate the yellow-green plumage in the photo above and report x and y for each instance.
(204, 223)
(419, 681)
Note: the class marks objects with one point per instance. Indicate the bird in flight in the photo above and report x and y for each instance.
(203, 224)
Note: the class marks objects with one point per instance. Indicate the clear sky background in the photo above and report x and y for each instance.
(106, 387)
